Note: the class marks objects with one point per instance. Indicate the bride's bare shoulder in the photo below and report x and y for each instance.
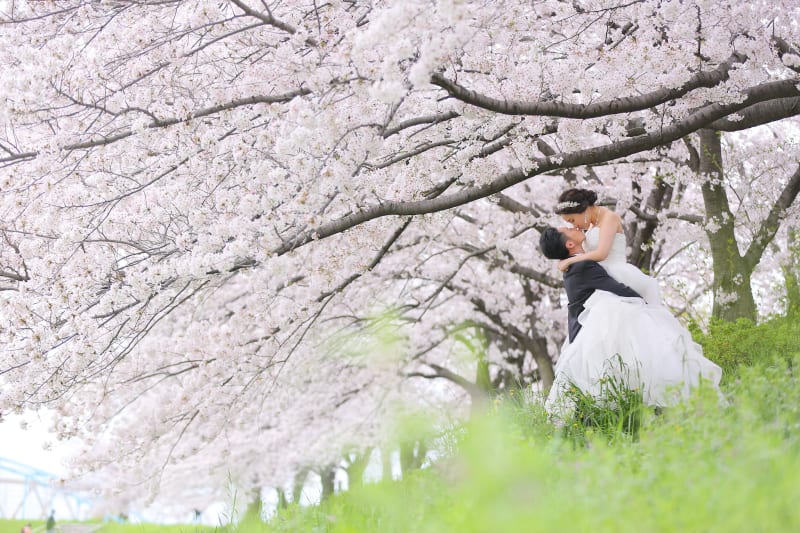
(608, 213)
(611, 218)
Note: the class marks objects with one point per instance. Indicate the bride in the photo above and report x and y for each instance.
(637, 342)
(605, 241)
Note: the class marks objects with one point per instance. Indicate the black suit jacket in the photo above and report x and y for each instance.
(580, 281)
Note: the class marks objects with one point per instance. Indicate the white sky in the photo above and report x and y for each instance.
(28, 446)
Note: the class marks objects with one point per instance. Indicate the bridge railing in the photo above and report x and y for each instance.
(33, 493)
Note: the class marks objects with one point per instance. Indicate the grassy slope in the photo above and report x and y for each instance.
(698, 467)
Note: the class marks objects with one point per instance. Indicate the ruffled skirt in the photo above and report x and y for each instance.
(631, 343)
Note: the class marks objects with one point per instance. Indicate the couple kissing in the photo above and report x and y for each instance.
(617, 325)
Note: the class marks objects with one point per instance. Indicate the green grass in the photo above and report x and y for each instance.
(13, 526)
(697, 467)
(703, 466)
(743, 343)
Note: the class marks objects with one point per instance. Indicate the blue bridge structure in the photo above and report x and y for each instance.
(27, 492)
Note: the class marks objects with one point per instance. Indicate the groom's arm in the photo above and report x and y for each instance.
(597, 278)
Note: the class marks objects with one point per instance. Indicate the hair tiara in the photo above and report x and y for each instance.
(566, 205)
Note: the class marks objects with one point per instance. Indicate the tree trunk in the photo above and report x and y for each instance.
(327, 474)
(406, 457)
(536, 344)
(298, 484)
(412, 455)
(421, 454)
(357, 464)
(538, 348)
(733, 294)
(283, 502)
(481, 398)
(482, 378)
(791, 271)
(386, 464)
(253, 511)
(640, 233)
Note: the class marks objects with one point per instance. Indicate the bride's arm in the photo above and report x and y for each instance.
(608, 228)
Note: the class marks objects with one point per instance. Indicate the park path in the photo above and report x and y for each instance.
(78, 528)
(71, 528)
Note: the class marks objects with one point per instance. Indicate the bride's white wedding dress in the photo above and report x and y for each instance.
(617, 266)
(630, 341)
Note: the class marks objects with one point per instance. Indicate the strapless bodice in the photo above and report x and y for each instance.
(618, 250)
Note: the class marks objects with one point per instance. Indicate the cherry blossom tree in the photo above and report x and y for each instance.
(202, 203)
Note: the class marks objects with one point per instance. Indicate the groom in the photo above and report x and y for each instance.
(583, 277)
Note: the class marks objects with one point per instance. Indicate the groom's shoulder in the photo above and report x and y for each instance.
(582, 266)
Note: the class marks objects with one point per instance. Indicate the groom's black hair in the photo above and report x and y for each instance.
(553, 244)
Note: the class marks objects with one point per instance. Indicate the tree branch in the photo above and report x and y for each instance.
(472, 389)
(418, 121)
(598, 109)
(758, 114)
(251, 100)
(694, 219)
(771, 224)
(588, 156)
(784, 48)
(269, 19)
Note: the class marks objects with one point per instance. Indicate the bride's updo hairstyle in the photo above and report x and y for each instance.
(575, 201)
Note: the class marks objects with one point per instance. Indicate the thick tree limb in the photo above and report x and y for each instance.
(475, 391)
(771, 224)
(627, 104)
(13, 276)
(650, 217)
(513, 206)
(759, 114)
(589, 156)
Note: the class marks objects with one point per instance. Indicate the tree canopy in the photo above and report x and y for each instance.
(211, 210)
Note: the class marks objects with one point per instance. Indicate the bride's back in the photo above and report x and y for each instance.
(617, 266)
